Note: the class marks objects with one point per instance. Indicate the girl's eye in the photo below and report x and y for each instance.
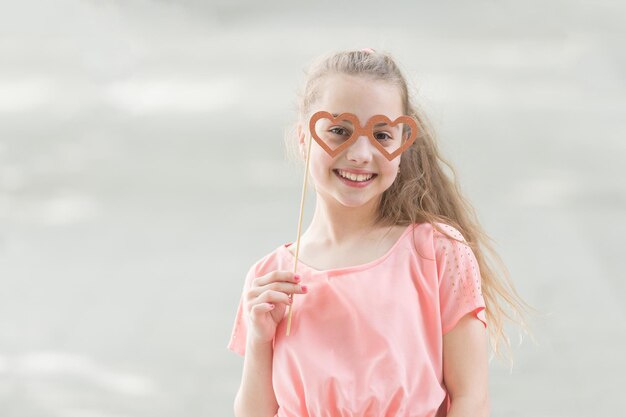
(334, 129)
(385, 137)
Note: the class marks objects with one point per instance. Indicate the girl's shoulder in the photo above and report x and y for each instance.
(442, 230)
(269, 261)
(435, 230)
(435, 237)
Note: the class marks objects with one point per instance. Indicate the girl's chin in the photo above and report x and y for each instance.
(354, 201)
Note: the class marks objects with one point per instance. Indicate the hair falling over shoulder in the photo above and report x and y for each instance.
(423, 192)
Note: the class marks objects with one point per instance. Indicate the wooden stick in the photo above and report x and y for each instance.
(295, 263)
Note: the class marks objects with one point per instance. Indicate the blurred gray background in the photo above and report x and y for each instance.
(142, 172)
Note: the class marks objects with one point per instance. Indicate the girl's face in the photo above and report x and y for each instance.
(364, 98)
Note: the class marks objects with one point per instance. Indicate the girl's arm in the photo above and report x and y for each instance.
(465, 368)
(256, 397)
(264, 302)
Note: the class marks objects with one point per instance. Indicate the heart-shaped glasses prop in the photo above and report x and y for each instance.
(336, 132)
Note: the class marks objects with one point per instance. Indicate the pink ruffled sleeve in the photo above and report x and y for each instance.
(237, 341)
(459, 279)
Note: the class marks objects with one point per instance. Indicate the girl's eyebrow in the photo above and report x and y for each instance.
(347, 121)
(376, 125)
(336, 114)
(387, 125)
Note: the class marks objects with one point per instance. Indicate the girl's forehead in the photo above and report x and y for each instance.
(362, 96)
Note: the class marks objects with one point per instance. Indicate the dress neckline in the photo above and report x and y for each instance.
(345, 269)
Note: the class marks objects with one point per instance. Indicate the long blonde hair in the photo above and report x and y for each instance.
(423, 192)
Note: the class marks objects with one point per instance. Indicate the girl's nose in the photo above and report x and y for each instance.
(361, 150)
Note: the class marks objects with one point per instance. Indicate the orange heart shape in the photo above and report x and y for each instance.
(360, 130)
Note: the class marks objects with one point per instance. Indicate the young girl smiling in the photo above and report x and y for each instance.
(394, 289)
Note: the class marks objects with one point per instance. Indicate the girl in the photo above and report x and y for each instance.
(393, 290)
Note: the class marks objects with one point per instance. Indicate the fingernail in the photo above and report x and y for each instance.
(297, 277)
(304, 288)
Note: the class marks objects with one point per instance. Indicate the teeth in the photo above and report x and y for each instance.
(355, 177)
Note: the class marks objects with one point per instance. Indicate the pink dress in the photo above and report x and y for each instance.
(367, 339)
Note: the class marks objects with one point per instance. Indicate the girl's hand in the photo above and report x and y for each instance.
(266, 301)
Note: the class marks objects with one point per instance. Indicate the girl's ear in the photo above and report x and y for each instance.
(301, 140)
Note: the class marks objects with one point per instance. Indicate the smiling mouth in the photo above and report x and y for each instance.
(357, 178)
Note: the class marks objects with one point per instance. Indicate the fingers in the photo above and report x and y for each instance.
(271, 296)
(275, 276)
(262, 308)
(279, 287)
(276, 281)
(267, 301)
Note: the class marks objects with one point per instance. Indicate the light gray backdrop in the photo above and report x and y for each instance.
(142, 172)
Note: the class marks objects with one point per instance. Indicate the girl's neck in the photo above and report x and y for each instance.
(337, 225)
